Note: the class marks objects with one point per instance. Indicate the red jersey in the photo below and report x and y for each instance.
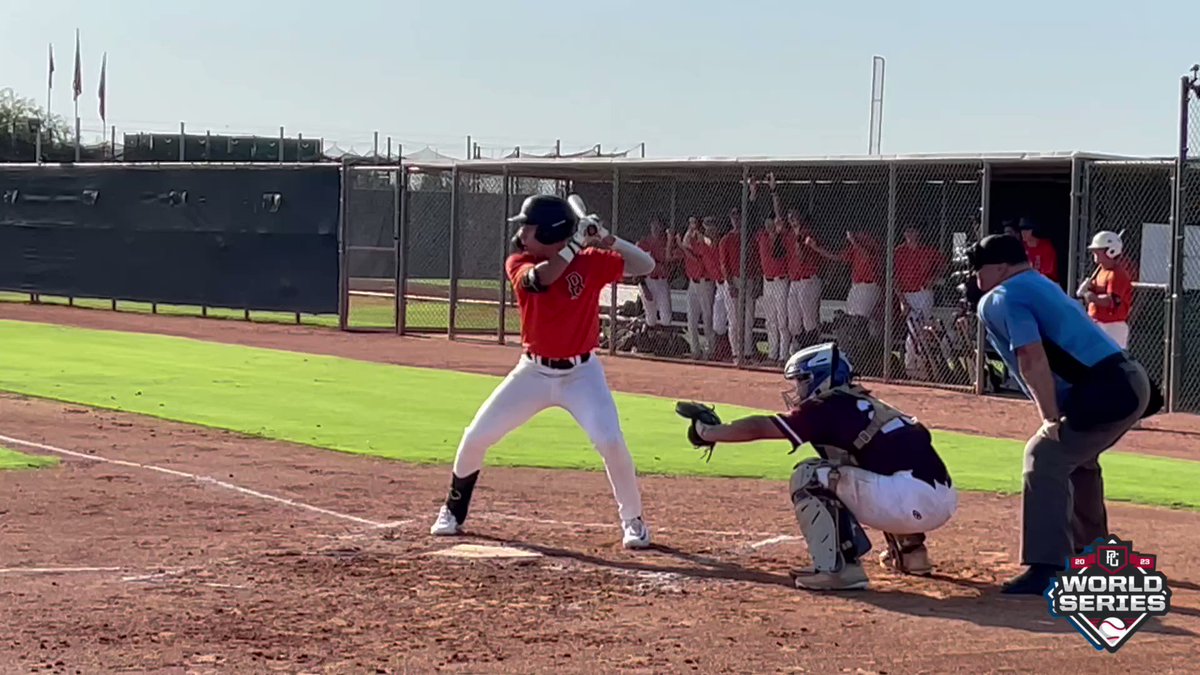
(1043, 258)
(712, 260)
(698, 259)
(802, 260)
(773, 266)
(564, 320)
(864, 264)
(731, 251)
(657, 248)
(1118, 284)
(730, 248)
(916, 267)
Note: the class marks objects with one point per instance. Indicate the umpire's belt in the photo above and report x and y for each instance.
(560, 364)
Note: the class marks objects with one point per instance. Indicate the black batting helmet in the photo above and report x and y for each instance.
(551, 215)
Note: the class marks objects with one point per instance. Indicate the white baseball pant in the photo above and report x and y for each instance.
(658, 308)
(897, 504)
(720, 302)
(920, 307)
(736, 334)
(583, 392)
(775, 306)
(861, 299)
(804, 305)
(701, 296)
(1118, 331)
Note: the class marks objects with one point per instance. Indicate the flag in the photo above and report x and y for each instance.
(78, 68)
(50, 76)
(103, 73)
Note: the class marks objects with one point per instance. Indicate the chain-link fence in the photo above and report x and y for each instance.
(1132, 199)
(372, 207)
(425, 295)
(1184, 325)
(757, 259)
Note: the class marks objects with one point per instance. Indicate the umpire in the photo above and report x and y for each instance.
(1088, 392)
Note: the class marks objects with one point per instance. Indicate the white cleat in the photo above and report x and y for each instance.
(446, 524)
(636, 534)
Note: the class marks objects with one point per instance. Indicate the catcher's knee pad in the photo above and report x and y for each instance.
(832, 533)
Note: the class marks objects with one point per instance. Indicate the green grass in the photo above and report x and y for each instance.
(365, 312)
(417, 414)
(11, 460)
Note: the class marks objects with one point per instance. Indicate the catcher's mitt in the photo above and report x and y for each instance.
(698, 412)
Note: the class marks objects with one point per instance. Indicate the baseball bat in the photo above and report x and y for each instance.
(577, 206)
(580, 209)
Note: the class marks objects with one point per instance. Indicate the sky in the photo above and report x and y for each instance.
(701, 78)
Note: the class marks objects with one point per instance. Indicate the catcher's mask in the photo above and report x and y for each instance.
(815, 370)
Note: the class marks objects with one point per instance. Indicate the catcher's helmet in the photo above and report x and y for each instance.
(551, 215)
(816, 370)
(1109, 242)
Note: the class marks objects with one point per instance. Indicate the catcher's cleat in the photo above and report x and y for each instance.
(906, 554)
(852, 577)
(445, 525)
(635, 533)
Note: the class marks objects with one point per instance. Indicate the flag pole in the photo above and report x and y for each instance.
(78, 86)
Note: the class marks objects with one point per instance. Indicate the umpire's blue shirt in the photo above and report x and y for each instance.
(1028, 308)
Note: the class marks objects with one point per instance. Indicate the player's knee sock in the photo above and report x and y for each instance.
(459, 499)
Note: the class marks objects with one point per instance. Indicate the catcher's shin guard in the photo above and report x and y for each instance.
(906, 553)
(832, 533)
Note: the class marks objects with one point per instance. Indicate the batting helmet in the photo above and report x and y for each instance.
(551, 215)
(1109, 242)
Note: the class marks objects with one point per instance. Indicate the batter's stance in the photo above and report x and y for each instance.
(557, 274)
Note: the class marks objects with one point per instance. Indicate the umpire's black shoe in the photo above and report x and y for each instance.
(1033, 581)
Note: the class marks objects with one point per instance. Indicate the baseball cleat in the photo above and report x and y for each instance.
(445, 525)
(915, 562)
(852, 578)
(636, 534)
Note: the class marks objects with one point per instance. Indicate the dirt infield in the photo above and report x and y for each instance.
(161, 547)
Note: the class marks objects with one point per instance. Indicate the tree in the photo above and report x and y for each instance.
(19, 122)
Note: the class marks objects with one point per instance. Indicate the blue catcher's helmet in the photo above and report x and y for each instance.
(816, 370)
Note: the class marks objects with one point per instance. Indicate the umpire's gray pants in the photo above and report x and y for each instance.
(1064, 492)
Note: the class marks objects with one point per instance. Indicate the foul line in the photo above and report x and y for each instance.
(55, 570)
(771, 538)
(202, 479)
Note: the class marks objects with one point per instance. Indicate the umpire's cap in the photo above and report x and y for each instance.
(997, 249)
(552, 216)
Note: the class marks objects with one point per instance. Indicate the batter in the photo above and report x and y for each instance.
(557, 274)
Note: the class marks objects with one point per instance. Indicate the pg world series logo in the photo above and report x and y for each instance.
(1108, 593)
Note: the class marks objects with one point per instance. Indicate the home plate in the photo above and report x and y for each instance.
(481, 551)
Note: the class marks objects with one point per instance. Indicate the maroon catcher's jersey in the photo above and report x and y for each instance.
(901, 445)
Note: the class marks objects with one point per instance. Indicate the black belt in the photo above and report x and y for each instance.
(560, 364)
(776, 278)
(698, 281)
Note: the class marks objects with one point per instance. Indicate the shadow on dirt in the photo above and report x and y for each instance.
(985, 607)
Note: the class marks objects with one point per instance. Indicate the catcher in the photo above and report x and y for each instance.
(877, 466)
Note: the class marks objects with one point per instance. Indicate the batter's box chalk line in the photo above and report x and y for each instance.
(207, 480)
(771, 538)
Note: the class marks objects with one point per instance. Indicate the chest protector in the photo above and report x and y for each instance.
(880, 415)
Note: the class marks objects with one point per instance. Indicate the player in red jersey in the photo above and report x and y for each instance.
(557, 275)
